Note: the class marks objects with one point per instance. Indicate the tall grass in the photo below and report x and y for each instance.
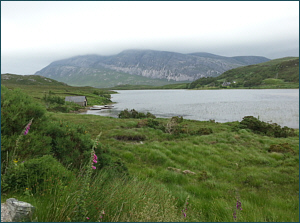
(225, 161)
(110, 198)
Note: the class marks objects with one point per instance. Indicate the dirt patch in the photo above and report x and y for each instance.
(281, 148)
(130, 137)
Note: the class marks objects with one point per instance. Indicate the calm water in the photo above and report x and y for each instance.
(279, 106)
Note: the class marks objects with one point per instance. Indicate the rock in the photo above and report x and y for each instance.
(19, 210)
(188, 172)
(174, 169)
(5, 217)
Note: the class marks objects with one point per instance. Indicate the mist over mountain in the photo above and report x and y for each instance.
(142, 67)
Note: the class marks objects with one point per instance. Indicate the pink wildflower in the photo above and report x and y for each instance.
(27, 128)
(94, 167)
(87, 218)
(95, 158)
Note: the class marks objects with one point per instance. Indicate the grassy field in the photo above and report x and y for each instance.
(228, 165)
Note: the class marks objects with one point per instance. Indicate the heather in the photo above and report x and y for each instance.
(239, 171)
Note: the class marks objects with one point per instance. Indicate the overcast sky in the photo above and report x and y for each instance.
(34, 34)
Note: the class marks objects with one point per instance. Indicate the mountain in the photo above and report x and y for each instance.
(142, 67)
(278, 73)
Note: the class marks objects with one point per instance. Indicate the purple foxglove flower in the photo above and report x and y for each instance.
(94, 167)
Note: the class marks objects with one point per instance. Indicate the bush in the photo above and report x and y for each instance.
(31, 146)
(203, 131)
(260, 127)
(135, 114)
(69, 143)
(173, 126)
(34, 174)
(149, 115)
(17, 109)
(151, 123)
(124, 114)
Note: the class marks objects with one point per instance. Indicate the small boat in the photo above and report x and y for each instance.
(99, 107)
(95, 108)
(107, 107)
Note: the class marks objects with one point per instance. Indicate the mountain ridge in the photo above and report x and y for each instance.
(151, 64)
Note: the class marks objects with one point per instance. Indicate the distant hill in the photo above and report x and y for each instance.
(142, 67)
(278, 73)
(28, 80)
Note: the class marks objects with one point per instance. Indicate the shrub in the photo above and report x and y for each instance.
(125, 114)
(151, 123)
(34, 174)
(69, 142)
(31, 146)
(173, 126)
(17, 109)
(260, 127)
(134, 114)
(177, 119)
(107, 162)
(149, 115)
(203, 131)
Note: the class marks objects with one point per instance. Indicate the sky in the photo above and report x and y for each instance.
(36, 33)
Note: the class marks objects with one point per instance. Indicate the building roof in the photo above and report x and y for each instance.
(75, 98)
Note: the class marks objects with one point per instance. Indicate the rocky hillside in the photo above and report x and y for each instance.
(125, 67)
